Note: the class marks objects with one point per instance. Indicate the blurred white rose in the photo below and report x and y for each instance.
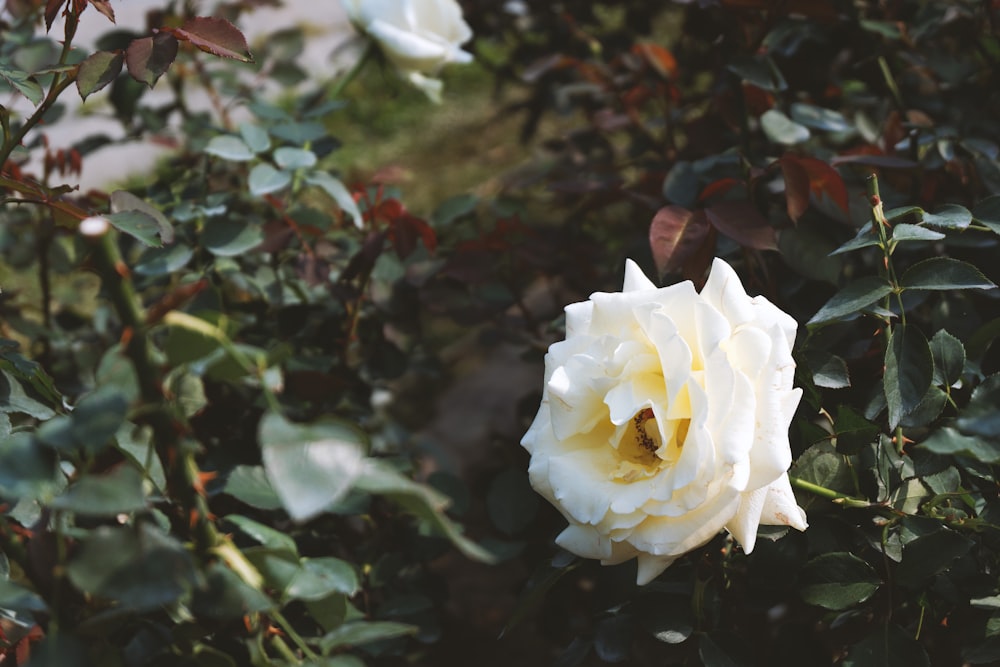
(417, 36)
(664, 419)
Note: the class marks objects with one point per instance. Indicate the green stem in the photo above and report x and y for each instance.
(366, 55)
(293, 635)
(829, 494)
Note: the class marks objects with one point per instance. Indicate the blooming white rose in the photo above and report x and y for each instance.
(417, 36)
(664, 419)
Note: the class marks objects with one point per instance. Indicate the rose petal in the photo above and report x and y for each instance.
(635, 279)
(725, 292)
(780, 508)
(650, 567)
(585, 542)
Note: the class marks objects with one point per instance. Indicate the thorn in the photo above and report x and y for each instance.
(126, 337)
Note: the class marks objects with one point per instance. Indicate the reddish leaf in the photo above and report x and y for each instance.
(824, 179)
(674, 236)
(148, 58)
(104, 7)
(719, 187)
(97, 71)
(743, 223)
(797, 186)
(404, 232)
(659, 58)
(216, 36)
(51, 11)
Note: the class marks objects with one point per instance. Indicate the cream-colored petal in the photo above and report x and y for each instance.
(635, 279)
(578, 316)
(585, 542)
(429, 86)
(674, 536)
(780, 508)
(650, 567)
(744, 525)
(725, 292)
(581, 483)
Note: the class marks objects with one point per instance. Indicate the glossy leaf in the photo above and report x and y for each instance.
(338, 192)
(905, 232)
(226, 237)
(949, 358)
(319, 577)
(97, 71)
(944, 273)
(888, 646)
(981, 417)
(116, 492)
(909, 370)
(948, 441)
(829, 371)
(149, 58)
(123, 201)
(852, 300)
(216, 36)
(141, 226)
(265, 179)
(837, 581)
(781, 129)
(951, 216)
(310, 466)
(358, 633)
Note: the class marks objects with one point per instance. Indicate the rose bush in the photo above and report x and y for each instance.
(664, 418)
(417, 36)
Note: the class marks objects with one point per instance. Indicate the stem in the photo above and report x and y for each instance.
(338, 87)
(293, 635)
(829, 494)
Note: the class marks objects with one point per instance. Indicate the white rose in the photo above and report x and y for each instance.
(417, 36)
(664, 419)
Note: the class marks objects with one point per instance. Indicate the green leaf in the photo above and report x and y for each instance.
(117, 370)
(356, 633)
(759, 71)
(299, 133)
(287, 157)
(944, 273)
(229, 148)
(23, 83)
(511, 502)
(929, 408)
(421, 501)
(278, 566)
(927, 555)
(853, 430)
(14, 397)
(981, 416)
(255, 137)
(838, 580)
(951, 216)
(320, 577)
(949, 358)
(452, 209)
(138, 566)
(905, 232)
(338, 192)
(265, 179)
(852, 299)
(889, 646)
(829, 371)
(227, 237)
(823, 465)
(865, 238)
(909, 370)
(97, 71)
(249, 484)
(820, 118)
(17, 598)
(948, 441)
(138, 225)
(311, 466)
(987, 212)
(225, 596)
(115, 492)
(269, 537)
(780, 129)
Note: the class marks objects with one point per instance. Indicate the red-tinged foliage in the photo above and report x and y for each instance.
(216, 36)
(742, 222)
(718, 188)
(51, 11)
(148, 58)
(797, 186)
(658, 57)
(105, 8)
(675, 236)
(805, 176)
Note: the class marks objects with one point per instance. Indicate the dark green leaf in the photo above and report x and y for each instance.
(944, 273)
(851, 300)
(269, 537)
(511, 501)
(927, 555)
(889, 646)
(905, 232)
(820, 118)
(929, 409)
(948, 441)
(714, 654)
(23, 83)
(821, 464)
(320, 577)
(15, 397)
(909, 369)
(138, 225)
(249, 484)
(117, 370)
(97, 71)
(140, 567)
(299, 133)
(613, 638)
(226, 237)
(760, 71)
(828, 370)
(356, 633)
(949, 358)
(311, 466)
(453, 209)
(865, 238)
(278, 566)
(987, 212)
(19, 599)
(837, 581)
(27, 469)
(338, 192)
(98, 416)
(950, 216)
(853, 430)
(225, 596)
(680, 187)
(115, 492)
(981, 416)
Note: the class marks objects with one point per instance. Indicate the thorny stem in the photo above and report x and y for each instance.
(829, 494)
(293, 635)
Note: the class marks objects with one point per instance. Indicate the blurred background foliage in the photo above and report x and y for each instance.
(272, 416)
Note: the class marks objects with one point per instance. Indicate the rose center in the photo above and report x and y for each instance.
(642, 443)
